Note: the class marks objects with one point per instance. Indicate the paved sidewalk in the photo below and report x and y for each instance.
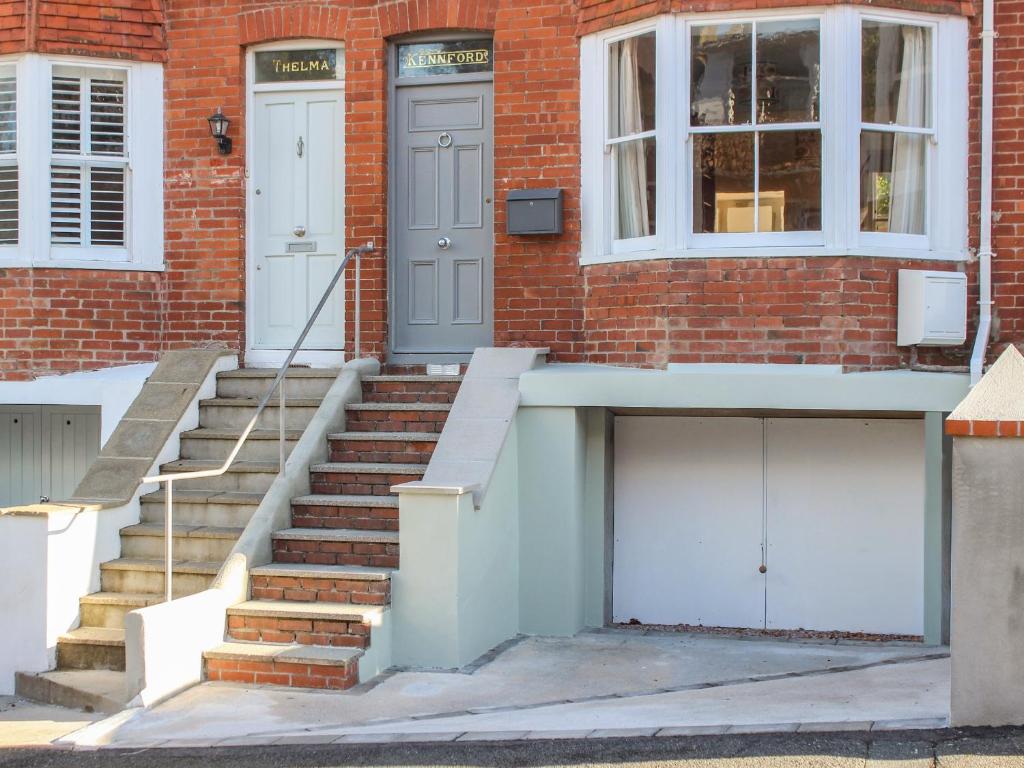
(25, 723)
(596, 685)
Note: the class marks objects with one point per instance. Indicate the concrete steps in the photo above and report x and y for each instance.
(241, 477)
(235, 413)
(253, 382)
(91, 648)
(231, 509)
(108, 609)
(190, 542)
(216, 444)
(94, 690)
(146, 575)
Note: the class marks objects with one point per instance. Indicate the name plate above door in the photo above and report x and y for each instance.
(297, 66)
(452, 57)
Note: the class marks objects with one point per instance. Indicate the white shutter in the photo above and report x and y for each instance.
(8, 157)
(88, 172)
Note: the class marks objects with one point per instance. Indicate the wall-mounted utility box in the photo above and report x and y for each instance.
(932, 308)
(534, 212)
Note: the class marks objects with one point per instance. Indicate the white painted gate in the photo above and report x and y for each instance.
(45, 450)
(298, 235)
(835, 507)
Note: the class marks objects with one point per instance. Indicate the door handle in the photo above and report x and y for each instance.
(444, 243)
(299, 231)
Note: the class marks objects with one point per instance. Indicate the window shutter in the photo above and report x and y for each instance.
(8, 165)
(88, 173)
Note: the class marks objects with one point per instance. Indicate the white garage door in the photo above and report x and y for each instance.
(832, 508)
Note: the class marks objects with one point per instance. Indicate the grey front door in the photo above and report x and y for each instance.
(443, 255)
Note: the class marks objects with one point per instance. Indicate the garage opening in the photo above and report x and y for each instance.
(814, 524)
(45, 450)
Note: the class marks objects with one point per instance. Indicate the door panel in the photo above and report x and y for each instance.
(688, 521)
(443, 296)
(297, 218)
(845, 525)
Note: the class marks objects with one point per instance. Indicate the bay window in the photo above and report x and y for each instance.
(781, 133)
(81, 163)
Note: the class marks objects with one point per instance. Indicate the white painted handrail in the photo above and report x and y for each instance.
(279, 380)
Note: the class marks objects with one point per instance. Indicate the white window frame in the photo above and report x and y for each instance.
(840, 119)
(144, 130)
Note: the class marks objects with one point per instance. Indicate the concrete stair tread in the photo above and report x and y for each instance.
(370, 468)
(337, 534)
(102, 690)
(348, 500)
(387, 437)
(386, 406)
(136, 599)
(291, 653)
(94, 636)
(252, 402)
(207, 433)
(188, 531)
(157, 565)
(196, 465)
(309, 571)
(402, 378)
(290, 609)
(270, 373)
(201, 497)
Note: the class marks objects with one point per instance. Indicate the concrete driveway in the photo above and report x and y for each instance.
(596, 684)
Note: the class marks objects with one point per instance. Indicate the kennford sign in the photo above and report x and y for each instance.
(444, 58)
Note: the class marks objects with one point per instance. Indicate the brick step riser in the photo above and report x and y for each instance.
(295, 388)
(271, 629)
(359, 518)
(235, 418)
(242, 482)
(285, 674)
(184, 547)
(382, 451)
(409, 392)
(218, 449)
(373, 554)
(306, 589)
(106, 615)
(152, 582)
(84, 656)
(355, 484)
(187, 513)
(395, 421)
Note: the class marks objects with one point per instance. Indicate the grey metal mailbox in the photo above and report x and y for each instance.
(534, 212)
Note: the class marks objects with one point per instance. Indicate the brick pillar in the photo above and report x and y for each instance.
(987, 604)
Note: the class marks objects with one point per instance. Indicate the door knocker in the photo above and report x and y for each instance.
(444, 140)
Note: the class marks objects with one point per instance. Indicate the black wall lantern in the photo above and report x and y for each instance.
(219, 130)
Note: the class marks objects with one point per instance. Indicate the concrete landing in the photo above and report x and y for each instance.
(592, 685)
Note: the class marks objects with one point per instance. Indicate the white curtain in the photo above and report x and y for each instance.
(907, 204)
(632, 164)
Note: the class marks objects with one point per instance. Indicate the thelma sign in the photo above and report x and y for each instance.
(448, 58)
(284, 66)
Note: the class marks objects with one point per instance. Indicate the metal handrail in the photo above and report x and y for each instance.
(279, 380)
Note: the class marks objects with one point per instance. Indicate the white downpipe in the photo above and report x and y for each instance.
(985, 243)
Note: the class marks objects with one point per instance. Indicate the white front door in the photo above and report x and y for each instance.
(297, 223)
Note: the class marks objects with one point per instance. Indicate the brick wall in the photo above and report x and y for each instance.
(639, 313)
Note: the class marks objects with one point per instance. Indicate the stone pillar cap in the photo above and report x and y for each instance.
(995, 406)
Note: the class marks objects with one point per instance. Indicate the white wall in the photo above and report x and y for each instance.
(112, 389)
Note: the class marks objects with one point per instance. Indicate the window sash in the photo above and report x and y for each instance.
(839, 123)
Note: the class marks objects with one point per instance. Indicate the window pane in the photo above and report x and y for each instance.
(8, 114)
(106, 129)
(788, 71)
(723, 182)
(789, 188)
(720, 69)
(8, 204)
(67, 114)
(892, 182)
(66, 205)
(896, 74)
(631, 86)
(106, 192)
(635, 165)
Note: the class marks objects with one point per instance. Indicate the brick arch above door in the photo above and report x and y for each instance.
(318, 22)
(408, 16)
